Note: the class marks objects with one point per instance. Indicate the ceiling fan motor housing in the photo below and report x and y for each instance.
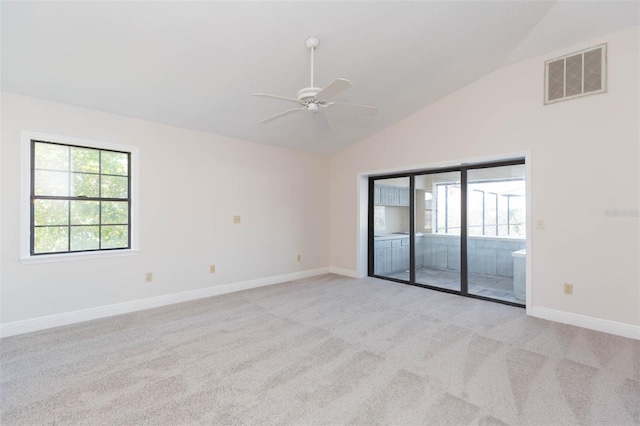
(308, 94)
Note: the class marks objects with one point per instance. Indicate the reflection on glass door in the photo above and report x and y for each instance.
(438, 226)
(391, 228)
(496, 232)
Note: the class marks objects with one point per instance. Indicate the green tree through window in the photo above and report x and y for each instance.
(80, 198)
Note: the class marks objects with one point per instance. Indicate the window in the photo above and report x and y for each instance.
(448, 208)
(495, 208)
(80, 197)
(428, 211)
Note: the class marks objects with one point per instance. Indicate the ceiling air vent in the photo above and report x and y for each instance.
(576, 74)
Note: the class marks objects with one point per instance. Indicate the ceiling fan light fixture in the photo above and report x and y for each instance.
(312, 108)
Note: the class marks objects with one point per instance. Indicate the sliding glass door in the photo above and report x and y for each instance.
(438, 226)
(391, 202)
(460, 230)
(496, 232)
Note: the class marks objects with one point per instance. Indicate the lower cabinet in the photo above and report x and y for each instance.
(391, 256)
(405, 254)
(419, 252)
(382, 261)
(396, 255)
(396, 259)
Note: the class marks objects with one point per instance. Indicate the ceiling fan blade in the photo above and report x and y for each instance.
(282, 114)
(321, 123)
(282, 98)
(334, 88)
(365, 110)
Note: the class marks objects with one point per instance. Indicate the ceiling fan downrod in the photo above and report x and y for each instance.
(312, 43)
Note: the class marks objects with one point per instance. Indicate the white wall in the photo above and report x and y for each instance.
(191, 186)
(584, 159)
(192, 183)
(396, 220)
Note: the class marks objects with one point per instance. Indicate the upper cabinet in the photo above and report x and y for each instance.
(391, 196)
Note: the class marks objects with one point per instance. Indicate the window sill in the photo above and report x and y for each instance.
(68, 257)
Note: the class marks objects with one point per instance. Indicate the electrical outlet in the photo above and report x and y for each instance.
(298, 257)
(212, 269)
(540, 224)
(148, 277)
(568, 288)
(236, 219)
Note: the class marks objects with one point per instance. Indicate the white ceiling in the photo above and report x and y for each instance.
(194, 64)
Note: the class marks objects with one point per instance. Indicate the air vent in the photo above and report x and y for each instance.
(577, 74)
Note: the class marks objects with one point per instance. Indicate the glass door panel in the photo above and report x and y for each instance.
(496, 232)
(438, 225)
(391, 228)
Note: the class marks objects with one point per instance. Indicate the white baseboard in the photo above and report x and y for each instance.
(606, 326)
(342, 271)
(42, 323)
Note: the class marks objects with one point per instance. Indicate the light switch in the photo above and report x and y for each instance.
(236, 219)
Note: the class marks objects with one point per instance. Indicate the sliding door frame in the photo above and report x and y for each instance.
(464, 279)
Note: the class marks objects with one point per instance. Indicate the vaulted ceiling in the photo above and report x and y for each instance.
(195, 64)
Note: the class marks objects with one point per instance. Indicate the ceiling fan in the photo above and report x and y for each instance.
(312, 98)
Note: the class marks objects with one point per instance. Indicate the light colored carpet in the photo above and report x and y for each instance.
(325, 350)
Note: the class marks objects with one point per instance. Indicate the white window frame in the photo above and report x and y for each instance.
(25, 199)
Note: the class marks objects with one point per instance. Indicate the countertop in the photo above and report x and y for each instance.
(384, 237)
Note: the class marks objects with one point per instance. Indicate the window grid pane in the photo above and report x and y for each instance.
(494, 208)
(80, 198)
(51, 239)
(50, 212)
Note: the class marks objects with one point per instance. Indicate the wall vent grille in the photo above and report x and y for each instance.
(576, 74)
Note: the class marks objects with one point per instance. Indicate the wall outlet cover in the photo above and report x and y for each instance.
(568, 288)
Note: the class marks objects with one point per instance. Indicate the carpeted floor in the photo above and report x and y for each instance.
(325, 350)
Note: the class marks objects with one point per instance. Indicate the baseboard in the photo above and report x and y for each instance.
(42, 323)
(606, 326)
(342, 271)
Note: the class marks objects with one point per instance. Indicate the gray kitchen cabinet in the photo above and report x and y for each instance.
(396, 258)
(400, 254)
(395, 255)
(419, 252)
(390, 196)
(382, 261)
(405, 254)
(403, 197)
